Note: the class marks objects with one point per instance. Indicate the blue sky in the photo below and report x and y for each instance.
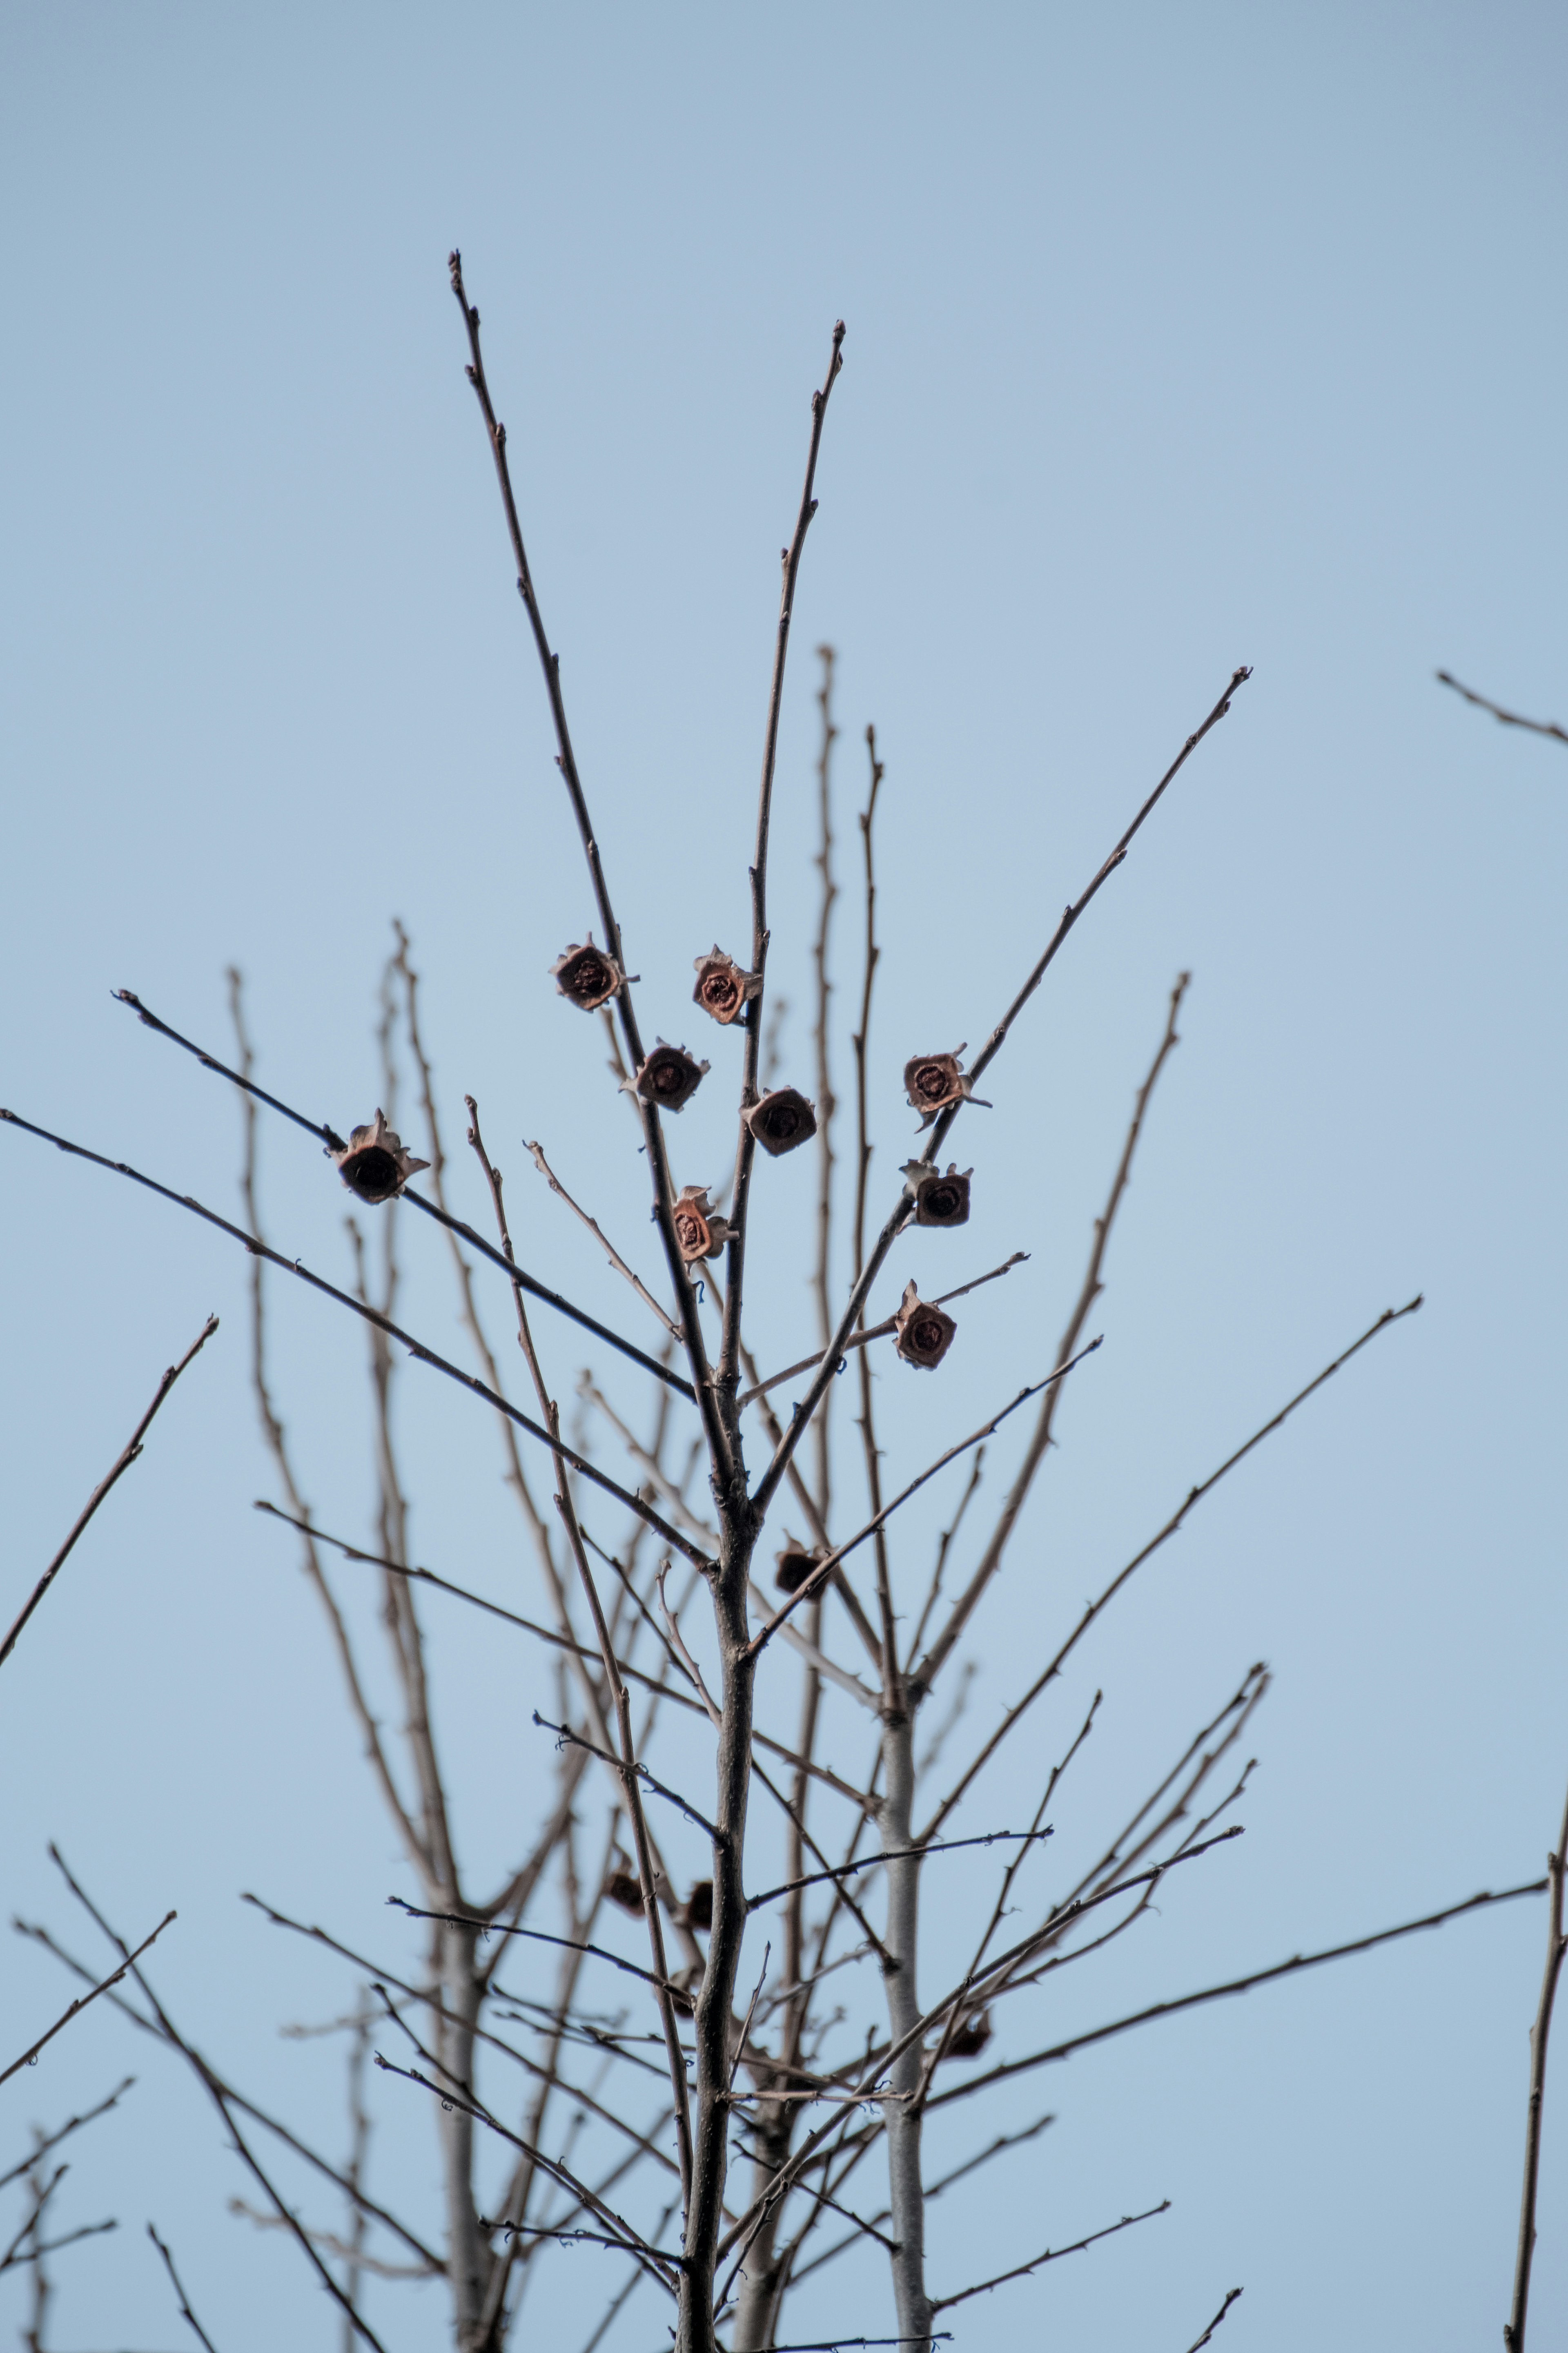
(1176, 339)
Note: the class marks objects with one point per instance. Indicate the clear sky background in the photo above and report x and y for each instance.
(1178, 338)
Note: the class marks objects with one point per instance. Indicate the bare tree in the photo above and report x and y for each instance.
(722, 2125)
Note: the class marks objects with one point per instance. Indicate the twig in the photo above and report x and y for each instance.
(333, 1142)
(566, 761)
(745, 1153)
(346, 1299)
(714, 1715)
(1051, 2255)
(82, 2001)
(616, 1261)
(824, 1568)
(52, 2141)
(877, 1331)
(891, 1855)
(898, 1216)
(1234, 1986)
(1389, 1316)
(1556, 1945)
(475, 1600)
(991, 1559)
(655, 2259)
(131, 1450)
(1230, 2298)
(176, 2282)
(1509, 718)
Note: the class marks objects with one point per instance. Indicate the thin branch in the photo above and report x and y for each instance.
(826, 1103)
(1509, 718)
(566, 761)
(745, 1153)
(178, 2286)
(220, 2100)
(899, 1215)
(1390, 1315)
(155, 2027)
(531, 1935)
(892, 1854)
(655, 2259)
(345, 1299)
(616, 1261)
(1051, 2255)
(52, 2141)
(131, 1450)
(870, 1332)
(991, 1559)
(333, 1142)
(438, 2010)
(82, 2001)
(475, 1600)
(1234, 1986)
(672, 1627)
(1556, 1946)
(1231, 2296)
(824, 1569)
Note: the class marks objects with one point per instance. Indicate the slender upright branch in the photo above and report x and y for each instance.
(745, 1151)
(625, 1014)
(991, 1559)
(1556, 1946)
(902, 1210)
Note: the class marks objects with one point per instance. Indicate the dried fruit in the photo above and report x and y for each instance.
(622, 1887)
(938, 1200)
(667, 1077)
(590, 976)
(932, 1081)
(795, 1564)
(781, 1120)
(373, 1164)
(722, 988)
(700, 1230)
(924, 1333)
(699, 1905)
(972, 2037)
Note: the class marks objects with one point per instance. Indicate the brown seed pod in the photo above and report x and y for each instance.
(932, 1081)
(722, 988)
(622, 1887)
(373, 1164)
(795, 1564)
(972, 2037)
(938, 1200)
(781, 1120)
(667, 1077)
(700, 1232)
(924, 1332)
(590, 976)
(699, 1905)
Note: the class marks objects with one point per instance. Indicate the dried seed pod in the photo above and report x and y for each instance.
(972, 2037)
(590, 976)
(373, 1164)
(623, 1888)
(924, 1332)
(781, 1120)
(667, 1077)
(699, 1905)
(932, 1081)
(938, 1200)
(700, 1232)
(722, 988)
(795, 1564)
